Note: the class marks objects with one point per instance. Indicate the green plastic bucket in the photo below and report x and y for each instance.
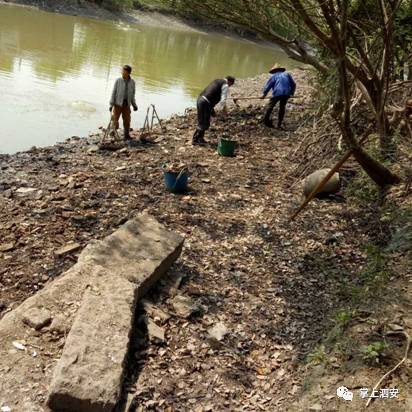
(226, 147)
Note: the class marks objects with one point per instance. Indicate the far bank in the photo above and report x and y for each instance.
(149, 13)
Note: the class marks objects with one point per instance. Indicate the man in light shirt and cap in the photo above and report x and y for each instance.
(215, 93)
(123, 96)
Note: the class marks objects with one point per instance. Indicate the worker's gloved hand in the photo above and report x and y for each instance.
(110, 109)
(135, 108)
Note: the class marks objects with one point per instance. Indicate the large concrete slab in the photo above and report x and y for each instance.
(24, 378)
(89, 375)
(118, 264)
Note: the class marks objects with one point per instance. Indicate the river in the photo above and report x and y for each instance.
(57, 71)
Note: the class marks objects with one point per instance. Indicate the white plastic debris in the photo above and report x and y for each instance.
(5, 409)
(18, 345)
(218, 331)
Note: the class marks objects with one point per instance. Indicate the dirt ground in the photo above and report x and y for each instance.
(271, 286)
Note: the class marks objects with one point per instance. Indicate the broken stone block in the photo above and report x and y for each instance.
(66, 291)
(37, 318)
(156, 333)
(88, 377)
(89, 374)
(184, 306)
(155, 313)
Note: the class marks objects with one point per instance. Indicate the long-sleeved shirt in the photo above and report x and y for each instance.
(223, 96)
(216, 93)
(281, 84)
(123, 91)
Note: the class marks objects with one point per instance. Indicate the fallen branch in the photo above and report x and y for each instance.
(257, 98)
(249, 98)
(403, 360)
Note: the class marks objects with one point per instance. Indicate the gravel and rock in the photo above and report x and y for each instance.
(102, 291)
(272, 286)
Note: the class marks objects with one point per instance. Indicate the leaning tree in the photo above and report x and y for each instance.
(355, 36)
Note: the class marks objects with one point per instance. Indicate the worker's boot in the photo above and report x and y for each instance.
(198, 138)
(266, 120)
(195, 137)
(127, 134)
(201, 139)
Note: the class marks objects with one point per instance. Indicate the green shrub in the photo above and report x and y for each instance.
(318, 355)
(374, 352)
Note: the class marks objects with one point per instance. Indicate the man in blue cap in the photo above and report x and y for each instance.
(283, 87)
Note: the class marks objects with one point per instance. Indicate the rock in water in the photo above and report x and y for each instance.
(310, 183)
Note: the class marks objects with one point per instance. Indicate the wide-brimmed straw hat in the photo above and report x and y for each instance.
(277, 68)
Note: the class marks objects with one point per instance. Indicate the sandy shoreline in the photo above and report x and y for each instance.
(154, 18)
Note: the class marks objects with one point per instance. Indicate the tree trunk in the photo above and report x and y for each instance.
(375, 88)
(384, 133)
(380, 174)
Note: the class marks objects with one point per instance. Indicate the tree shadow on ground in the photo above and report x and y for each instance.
(337, 277)
(139, 350)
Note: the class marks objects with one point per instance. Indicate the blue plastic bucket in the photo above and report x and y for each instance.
(176, 182)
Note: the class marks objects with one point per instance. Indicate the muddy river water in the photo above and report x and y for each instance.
(57, 71)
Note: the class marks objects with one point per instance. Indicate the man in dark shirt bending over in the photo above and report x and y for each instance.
(215, 93)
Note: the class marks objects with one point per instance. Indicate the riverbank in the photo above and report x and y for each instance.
(150, 16)
(90, 52)
(277, 286)
(86, 9)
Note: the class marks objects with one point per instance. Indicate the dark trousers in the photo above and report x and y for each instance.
(282, 109)
(204, 112)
